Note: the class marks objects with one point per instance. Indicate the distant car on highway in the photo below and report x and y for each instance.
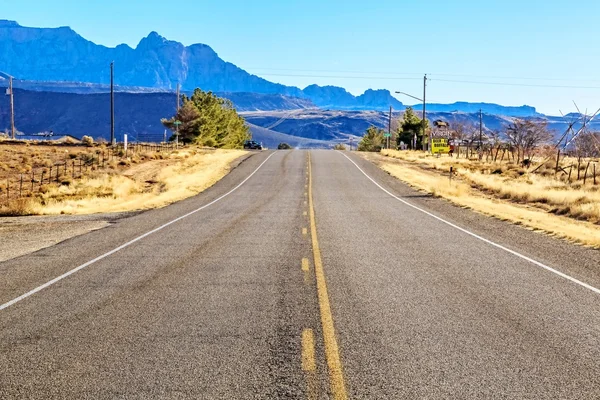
(252, 145)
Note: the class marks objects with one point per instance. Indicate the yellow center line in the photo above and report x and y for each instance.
(305, 265)
(332, 353)
(309, 364)
(308, 351)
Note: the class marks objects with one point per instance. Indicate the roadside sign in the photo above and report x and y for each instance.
(440, 146)
(387, 135)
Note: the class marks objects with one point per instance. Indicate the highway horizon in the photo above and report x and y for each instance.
(303, 274)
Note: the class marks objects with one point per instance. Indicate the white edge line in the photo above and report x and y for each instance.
(95, 260)
(531, 260)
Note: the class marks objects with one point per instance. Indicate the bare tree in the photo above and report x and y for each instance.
(526, 136)
(587, 144)
(464, 131)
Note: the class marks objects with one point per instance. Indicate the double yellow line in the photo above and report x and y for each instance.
(332, 353)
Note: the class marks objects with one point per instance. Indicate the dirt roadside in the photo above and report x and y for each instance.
(24, 235)
(463, 194)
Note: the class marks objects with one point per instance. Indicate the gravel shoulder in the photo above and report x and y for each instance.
(24, 235)
(20, 236)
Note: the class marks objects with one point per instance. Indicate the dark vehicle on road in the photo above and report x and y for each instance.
(252, 145)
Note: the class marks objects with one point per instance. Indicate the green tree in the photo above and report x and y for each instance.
(210, 121)
(283, 146)
(372, 140)
(410, 125)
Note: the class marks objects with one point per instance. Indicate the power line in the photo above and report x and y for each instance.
(344, 77)
(392, 73)
(517, 84)
(336, 71)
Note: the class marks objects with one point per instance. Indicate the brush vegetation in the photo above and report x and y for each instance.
(142, 181)
(505, 190)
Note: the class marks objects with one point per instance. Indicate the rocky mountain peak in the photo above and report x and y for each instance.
(4, 23)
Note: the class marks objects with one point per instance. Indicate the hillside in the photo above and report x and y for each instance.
(139, 114)
(271, 139)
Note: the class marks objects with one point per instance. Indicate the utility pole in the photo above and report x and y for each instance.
(12, 108)
(425, 112)
(389, 129)
(480, 130)
(177, 125)
(112, 103)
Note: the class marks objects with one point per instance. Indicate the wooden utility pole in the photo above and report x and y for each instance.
(424, 122)
(112, 104)
(12, 108)
(389, 138)
(480, 130)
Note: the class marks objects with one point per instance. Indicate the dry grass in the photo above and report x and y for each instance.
(150, 185)
(141, 181)
(542, 203)
(22, 158)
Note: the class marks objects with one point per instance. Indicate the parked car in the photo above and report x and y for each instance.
(252, 145)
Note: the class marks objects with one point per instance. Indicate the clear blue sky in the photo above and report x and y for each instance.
(364, 44)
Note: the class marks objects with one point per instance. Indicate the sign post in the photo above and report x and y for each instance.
(440, 146)
(177, 123)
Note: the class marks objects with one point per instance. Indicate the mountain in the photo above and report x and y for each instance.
(60, 54)
(487, 108)
(326, 125)
(139, 114)
(60, 60)
(271, 139)
(333, 97)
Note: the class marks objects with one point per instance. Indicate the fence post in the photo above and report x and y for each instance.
(50, 175)
(21, 187)
(7, 191)
(594, 173)
(42, 179)
(585, 173)
(32, 180)
(570, 170)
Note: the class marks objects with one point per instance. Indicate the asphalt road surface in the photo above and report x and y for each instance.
(303, 275)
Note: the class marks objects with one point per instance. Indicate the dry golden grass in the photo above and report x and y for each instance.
(22, 158)
(153, 184)
(542, 203)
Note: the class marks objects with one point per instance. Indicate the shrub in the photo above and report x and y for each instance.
(284, 146)
(372, 140)
(87, 140)
(339, 146)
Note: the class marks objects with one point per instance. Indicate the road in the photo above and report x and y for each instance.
(303, 275)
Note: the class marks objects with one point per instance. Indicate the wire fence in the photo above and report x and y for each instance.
(19, 185)
(565, 167)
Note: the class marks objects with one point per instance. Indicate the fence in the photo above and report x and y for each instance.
(576, 169)
(16, 186)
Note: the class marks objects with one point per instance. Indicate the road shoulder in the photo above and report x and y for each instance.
(578, 261)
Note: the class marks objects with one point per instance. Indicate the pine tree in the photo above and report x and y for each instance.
(209, 120)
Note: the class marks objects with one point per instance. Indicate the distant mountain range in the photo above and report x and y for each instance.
(138, 114)
(59, 59)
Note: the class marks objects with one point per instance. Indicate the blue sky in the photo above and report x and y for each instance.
(520, 49)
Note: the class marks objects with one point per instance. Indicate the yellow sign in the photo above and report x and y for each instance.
(440, 146)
